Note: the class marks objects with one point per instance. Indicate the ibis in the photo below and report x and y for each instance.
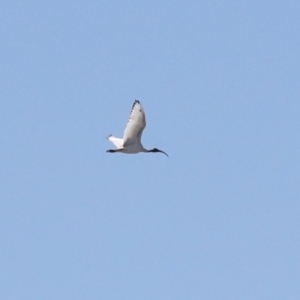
(131, 141)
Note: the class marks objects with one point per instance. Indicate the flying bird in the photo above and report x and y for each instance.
(131, 142)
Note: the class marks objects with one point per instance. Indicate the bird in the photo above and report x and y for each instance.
(131, 141)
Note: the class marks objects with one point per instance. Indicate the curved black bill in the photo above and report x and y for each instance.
(155, 150)
(163, 152)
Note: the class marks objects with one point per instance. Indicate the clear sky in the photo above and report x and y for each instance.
(220, 84)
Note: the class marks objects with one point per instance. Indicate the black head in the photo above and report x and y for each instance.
(155, 150)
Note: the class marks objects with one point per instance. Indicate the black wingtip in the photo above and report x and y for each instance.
(135, 102)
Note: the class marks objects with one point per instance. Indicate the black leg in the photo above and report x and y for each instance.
(111, 151)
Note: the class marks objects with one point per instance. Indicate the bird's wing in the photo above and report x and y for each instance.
(116, 141)
(135, 125)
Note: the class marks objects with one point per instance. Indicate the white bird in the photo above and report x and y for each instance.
(131, 142)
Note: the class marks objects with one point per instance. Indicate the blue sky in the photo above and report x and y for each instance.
(218, 219)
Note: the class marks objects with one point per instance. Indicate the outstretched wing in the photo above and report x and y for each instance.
(135, 125)
(116, 141)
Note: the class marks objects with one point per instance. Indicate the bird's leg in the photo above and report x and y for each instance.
(111, 150)
(115, 150)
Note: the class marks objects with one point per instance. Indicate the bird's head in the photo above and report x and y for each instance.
(155, 150)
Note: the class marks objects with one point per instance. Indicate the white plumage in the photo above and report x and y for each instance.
(131, 142)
